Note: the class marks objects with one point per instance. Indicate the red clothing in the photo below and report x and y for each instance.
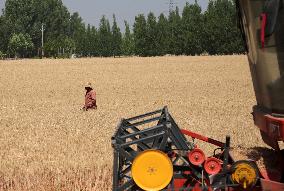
(90, 100)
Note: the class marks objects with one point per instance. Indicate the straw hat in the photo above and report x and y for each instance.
(89, 85)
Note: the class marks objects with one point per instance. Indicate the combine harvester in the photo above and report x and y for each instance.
(152, 153)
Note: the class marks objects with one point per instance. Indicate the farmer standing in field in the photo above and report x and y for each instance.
(90, 98)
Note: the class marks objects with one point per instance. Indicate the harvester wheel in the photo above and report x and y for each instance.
(152, 170)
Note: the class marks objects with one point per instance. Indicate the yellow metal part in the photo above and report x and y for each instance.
(245, 175)
(152, 170)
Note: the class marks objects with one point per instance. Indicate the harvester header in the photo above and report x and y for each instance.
(152, 153)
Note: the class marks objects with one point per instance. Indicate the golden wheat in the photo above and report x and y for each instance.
(48, 143)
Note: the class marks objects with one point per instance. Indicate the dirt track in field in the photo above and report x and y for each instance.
(44, 132)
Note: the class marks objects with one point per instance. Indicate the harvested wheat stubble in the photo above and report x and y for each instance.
(46, 142)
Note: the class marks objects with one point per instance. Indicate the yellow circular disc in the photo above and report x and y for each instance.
(152, 170)
(244, 174)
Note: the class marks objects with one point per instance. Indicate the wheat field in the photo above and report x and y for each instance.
(48, 143)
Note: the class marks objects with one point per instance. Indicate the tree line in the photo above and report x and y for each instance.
(186, 32)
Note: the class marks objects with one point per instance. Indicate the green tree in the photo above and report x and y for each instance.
(5, 33)
(116, 39)
(151, 35)
(105, 38)
(51, 48)
(140, 31)
(88, 42)
(214, 31)
(175, 31)
(192, 23)
(20, 45)
(2, 55)
(94, 42)
(127, 41)
(62, 47)
(69, 46)
(91, 42)
(222, 34)
(77, 32)
(27, 17)
(162, 35)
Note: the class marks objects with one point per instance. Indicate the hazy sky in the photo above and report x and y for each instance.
(92, 10)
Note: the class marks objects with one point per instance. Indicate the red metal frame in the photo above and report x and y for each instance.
(269, 185)
(269, 182)
(271, 127)
(178, 183)
(202, 138)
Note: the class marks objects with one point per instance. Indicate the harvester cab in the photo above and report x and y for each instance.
(262, 24)
(152, 153)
